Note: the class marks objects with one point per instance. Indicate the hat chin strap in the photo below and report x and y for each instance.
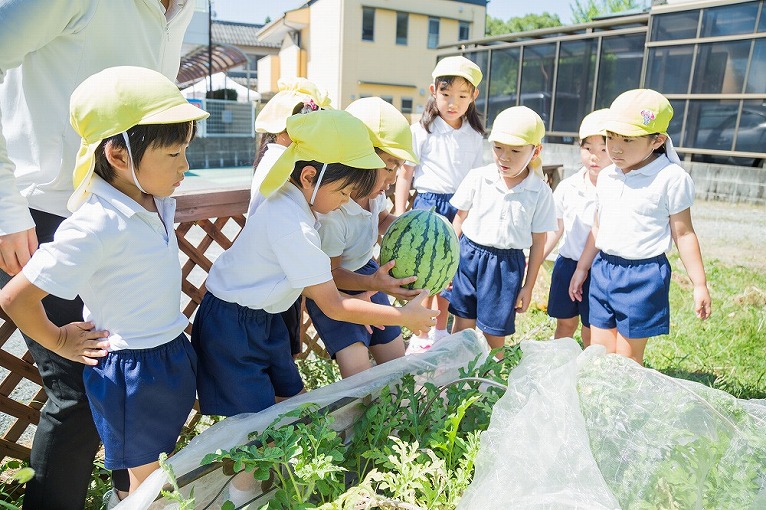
(319, 183)
(531, 157)
(130, 163)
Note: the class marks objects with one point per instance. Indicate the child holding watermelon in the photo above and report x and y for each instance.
(503, 209)
(349, 235)
(448, 140)
(643, 204)
(575, 199)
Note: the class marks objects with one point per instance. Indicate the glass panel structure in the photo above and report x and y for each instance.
(751, 135)
(620, 67)
(537, 69)
(402, 26)
(710, 124)
(729, 19)
(679, 112)
(502, 84)
(721, 67)
(669, 68)
(574, 84)
(675, 25)
(756, 77)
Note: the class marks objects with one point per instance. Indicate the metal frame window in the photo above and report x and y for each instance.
(402, 27)
(368, 23)
(433, 32)
(463, 30)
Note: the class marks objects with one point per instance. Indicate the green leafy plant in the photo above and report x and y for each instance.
(184, 503)
(14, 474)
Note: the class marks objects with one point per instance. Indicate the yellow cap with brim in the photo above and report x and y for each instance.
(594, 123)
(325, 136)
(273, 117)
(458, 66)
(113, 101)
(517, 125)
(389, 130)
(639, 112)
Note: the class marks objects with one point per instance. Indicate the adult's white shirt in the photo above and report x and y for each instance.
(446, 155)
(122, 260)
(634, 209)
(48, 48)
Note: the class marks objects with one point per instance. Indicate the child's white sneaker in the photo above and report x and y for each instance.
(110, 499)
(417, 345)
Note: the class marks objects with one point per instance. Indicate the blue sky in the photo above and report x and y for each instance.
(255, 11)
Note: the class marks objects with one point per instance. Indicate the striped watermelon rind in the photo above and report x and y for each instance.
(424, 244)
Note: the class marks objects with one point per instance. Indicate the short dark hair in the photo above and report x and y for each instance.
(142, 137)
(431, 111)
(361, 179)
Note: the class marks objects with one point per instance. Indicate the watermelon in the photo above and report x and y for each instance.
(424, 244)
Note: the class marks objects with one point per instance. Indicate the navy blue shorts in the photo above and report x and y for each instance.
(486, 286)
(630, 295)
(426, 200)
(338, 335)
(560, 305)
(140, 400)
(244, 358)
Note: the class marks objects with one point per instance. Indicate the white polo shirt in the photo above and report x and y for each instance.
(273, 151)
(575, 201)
(504, 218)
(123, 262)
(634, 209)
(446, 155)
(351, 232)
(276, 255)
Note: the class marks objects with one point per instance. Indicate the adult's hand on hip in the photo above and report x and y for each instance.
(16, 249)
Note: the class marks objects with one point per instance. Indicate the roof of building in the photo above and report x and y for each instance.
(238, 34)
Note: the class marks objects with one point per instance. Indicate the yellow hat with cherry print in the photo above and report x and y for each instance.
(292, 92)
(114, 100)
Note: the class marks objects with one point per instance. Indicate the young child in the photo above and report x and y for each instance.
(448, 140)
(503, 209)
(295, 96)
(119, 252)
(575, 199)
(245, 361)
(349, 235)
(643, 204)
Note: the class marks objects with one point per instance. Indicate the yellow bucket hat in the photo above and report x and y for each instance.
(389, 130)
(519, 126)
(639, 112)
(458, 66)
(114, 100)
(594, 123)
(326, 136)
(273, 116)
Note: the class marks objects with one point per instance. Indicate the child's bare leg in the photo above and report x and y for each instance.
(461, 323)
(140, 473)
(387, 352)
(495, 342)
(242, 488)
(585, 334)
(442, 305)
(565, 328)
(632, 348)
(605, 337)
(353, 359)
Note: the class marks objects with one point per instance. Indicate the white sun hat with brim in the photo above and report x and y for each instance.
(114, 100)
(594, 123)
(292, 92)
(389, 129)
(458, 66)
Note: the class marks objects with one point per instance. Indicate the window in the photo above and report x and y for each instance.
(537, 79)
(619, 68)
(402, 26)
(388, 99)
(720, 67)
(463, 31)
(710, 124)
(502, 83)
(433, 32)
(669, 68)
(756, 79)
(406, 105)
(368, 24)
(674, 26)
(729, 20)
(574, 84)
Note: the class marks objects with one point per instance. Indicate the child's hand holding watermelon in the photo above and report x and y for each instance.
(384, 282)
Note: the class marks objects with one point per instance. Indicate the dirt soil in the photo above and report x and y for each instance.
(735, 234)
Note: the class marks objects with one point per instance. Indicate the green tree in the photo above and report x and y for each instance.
(496, 26)
(587, 10)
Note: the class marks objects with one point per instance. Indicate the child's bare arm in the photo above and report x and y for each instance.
(689, 250)
(402, 189)
(413, 315)
(552, 238)
(380, 280)
(583, 265)
(457, 222)
(533, 267)
(384, 221)
(77, 341)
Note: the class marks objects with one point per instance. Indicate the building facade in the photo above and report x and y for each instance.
(707, 57)
(360, 48)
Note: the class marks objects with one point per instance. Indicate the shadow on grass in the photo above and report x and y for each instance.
(712, 380)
